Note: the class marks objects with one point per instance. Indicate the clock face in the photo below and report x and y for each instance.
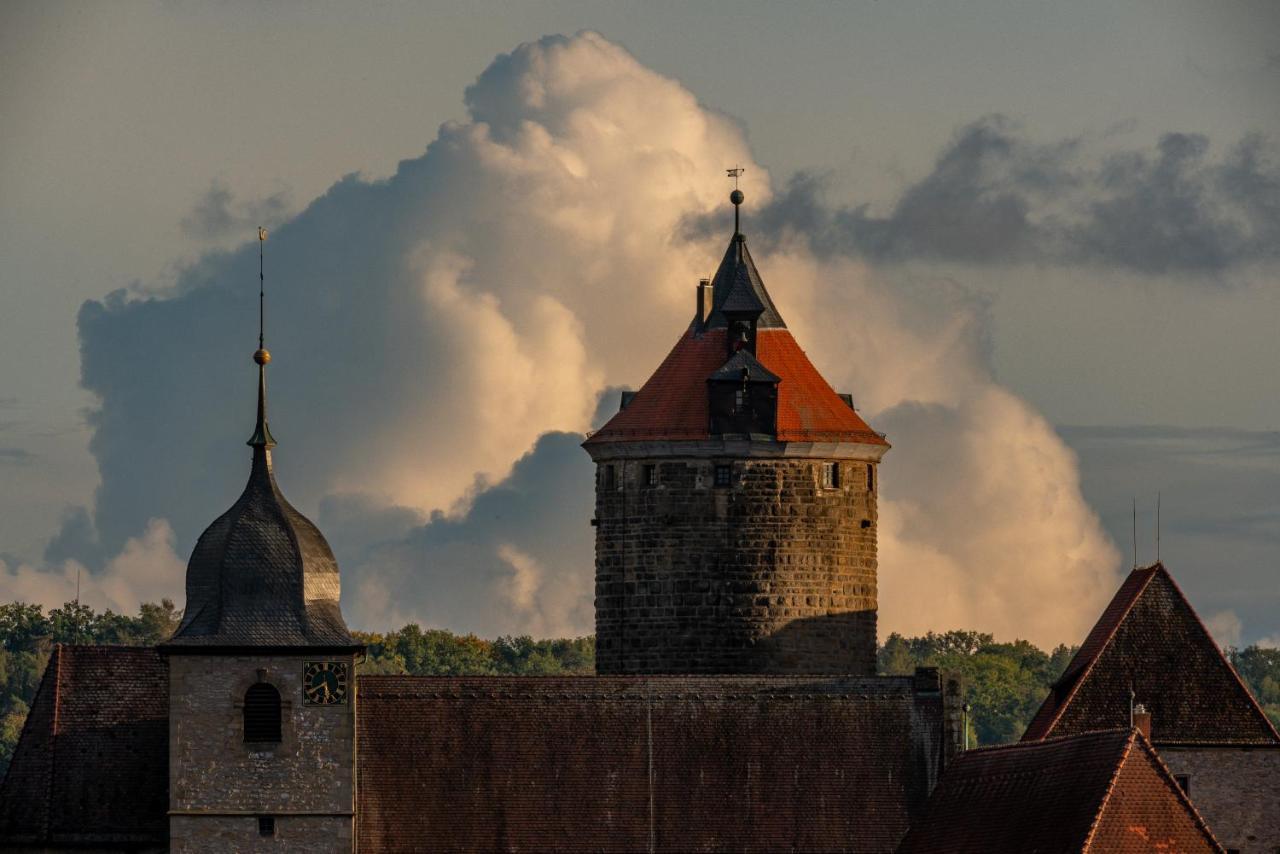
(324, 683)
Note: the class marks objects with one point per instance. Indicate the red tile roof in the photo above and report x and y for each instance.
(1151, 639)
(673, 403)
(1105, 792)
(92, 765)
(671, 763)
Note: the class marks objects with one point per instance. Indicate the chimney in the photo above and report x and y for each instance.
(704, 298)
(1142, 720)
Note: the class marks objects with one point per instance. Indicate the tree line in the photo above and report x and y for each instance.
(1003, 682)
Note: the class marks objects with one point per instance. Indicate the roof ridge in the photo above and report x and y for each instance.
(1041, 742)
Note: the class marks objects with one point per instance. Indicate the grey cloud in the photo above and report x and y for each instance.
(996, 197)
(218, 215)
(1220, 508)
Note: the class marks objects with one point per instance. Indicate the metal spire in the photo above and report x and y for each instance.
(262, 437)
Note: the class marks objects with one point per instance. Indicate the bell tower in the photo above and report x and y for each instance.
(261, 677)
(736, 508)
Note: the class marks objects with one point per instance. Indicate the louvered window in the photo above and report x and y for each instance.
(262, 713)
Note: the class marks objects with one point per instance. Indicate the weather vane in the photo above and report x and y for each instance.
(735, 173)
(262, 238)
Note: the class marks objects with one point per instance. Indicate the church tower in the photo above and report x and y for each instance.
(261, 679)
(736, 502)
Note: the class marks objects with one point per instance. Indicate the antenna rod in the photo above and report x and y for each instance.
(1135, 533)
(1157, 527)
(262, 238)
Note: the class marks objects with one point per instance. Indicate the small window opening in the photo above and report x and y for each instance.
(262, 713)
(724, 475)
(266, 825)
(830, 475)
(1184, 783)
(650, 475)
(608, 478)
(739, 400)
(871, 478)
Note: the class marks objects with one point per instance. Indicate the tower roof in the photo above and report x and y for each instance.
(1151, 641)
(673, 404)
(262, 574)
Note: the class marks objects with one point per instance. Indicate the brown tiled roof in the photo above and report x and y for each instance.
(673, 403)
(1105, 792)
(1150, 638)
(642, 763)
(92, 765)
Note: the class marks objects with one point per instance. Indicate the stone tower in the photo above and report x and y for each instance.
(261, 680)
(736, 503)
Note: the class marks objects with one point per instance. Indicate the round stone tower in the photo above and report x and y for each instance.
(736, 503)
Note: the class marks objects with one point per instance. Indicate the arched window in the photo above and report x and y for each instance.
(262, 713)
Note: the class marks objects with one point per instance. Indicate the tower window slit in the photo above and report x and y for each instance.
(262, 713)
(830, 475)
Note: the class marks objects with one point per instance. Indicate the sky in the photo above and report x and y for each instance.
(1037, 242)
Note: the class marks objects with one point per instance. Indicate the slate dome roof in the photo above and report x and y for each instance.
(262, 574)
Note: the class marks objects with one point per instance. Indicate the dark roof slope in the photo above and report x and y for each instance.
(92, 765)
(1097, 792)
(1150, 638)
(262, 575)
(642, 763)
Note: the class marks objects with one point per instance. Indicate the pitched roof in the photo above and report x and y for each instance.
(673, 403)
(1151, 639)
(642, 763)
(1097, 792)
(92, 764)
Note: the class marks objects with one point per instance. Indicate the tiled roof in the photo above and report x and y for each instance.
(92, 765)
(743, 362)
(1150, 638)
(737, 287)
(673, 403)
(262, 575)
(1105, 792)
(642, 763)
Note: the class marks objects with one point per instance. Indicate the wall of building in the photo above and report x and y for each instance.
(1236, 790)
(220, 834)
(771, 574)
(218, 783)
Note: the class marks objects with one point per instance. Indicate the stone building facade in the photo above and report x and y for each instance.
(736, 503)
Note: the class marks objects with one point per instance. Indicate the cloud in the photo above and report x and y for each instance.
(995, 197)
(218, 215)
(519, 560)
(146, 569)
(16, 456)
(442, 338)
(1225, 626)
(1216, 485)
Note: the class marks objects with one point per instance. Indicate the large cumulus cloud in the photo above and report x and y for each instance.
(430, 327)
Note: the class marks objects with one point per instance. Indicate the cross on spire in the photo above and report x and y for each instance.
(262, 437)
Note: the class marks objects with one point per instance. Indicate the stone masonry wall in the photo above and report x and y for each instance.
(770, 574)
(218, 784)
(1236, 790)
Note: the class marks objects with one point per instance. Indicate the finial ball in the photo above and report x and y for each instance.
(261, 357)
(736, 197)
